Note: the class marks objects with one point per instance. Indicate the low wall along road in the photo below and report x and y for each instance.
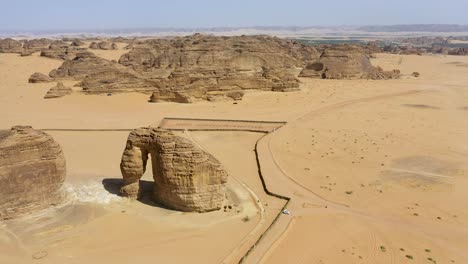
(220, 124)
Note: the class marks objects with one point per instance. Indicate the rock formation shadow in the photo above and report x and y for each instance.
(113, 185)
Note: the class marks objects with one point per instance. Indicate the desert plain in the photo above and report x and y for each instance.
(376, 171)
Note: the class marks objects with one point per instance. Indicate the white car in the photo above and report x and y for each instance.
(285, 211)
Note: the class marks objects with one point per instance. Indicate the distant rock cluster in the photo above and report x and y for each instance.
(186, 178)
(201, 67)
(57, 49)
(194, 67)
(425, 45)
(32, 171)
(104, 45)
(212, 68)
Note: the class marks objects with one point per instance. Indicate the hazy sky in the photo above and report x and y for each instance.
(105, 14)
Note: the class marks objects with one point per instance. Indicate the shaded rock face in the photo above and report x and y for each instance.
(185, 177)
(9, 45)
(59, 90)
(32, 171)
(198, 66)
(345, 62)
(39, 78)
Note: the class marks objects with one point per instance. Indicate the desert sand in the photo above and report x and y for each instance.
(376, 172)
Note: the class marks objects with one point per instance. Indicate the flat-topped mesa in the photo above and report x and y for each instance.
(32, 171)
(345, 62)
(186, 178)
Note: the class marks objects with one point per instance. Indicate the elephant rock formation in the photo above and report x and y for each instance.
(186, 178)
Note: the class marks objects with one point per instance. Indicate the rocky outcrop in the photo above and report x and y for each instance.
(83, 64)
(104, 45)
(61, 50)
(171, 96)
(59, 90)
(27, 52)
(77, 43)
(94, 45)
(195, 67)
(345, 62)
(32, 171)
(9, 45)
(39, 78)
(200, 67)
(35, 45)
(186, 178)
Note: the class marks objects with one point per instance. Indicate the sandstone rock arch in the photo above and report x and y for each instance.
(186, 178)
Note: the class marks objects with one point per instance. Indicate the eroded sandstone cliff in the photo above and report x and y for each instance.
(198, 66)
(186, 178)
(32, 171)
(345, 62)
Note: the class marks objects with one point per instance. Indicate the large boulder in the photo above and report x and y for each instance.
(9, 45)
(57, 91)
(186, 178)
(32, 171)
(38, 77)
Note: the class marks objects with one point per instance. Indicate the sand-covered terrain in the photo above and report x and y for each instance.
(376, 172)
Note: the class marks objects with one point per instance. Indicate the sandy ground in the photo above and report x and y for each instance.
(387, 157)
